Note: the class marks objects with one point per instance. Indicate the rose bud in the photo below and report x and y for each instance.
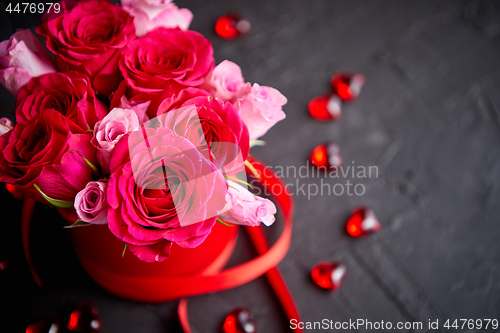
(261, 109)
(110, 130)
(245, 208)
(21, 58)
(90, 203)
(226, 82)
(151, 14)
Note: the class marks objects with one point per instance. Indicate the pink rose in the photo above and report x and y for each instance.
(68, 93)
(5, 125)
(166, 59)
(21, 58)
(261, 109)
(48, 151)
(151, 14)
(162, 190)
(226, 82)
(245, 208)
(89, 39)
(110, 130)
(90, 203)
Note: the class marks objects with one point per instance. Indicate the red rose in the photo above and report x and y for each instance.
(68, 93)
(166, 59)
(89, 39)
(223, 131)
(47, 151)
(162, 190)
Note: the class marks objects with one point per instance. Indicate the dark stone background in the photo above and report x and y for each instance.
(428, 118)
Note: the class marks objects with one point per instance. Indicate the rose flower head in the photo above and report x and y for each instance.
(89, 39)
(166, 60)
(47, 157)
(161, 190)
(212, 125)
(151, 14)
(68, 93)
(21, 58)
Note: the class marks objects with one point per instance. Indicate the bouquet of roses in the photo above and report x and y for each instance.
(129, 123)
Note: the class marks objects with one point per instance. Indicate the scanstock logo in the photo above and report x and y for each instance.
(175, 161)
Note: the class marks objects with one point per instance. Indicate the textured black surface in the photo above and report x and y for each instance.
(428, 118)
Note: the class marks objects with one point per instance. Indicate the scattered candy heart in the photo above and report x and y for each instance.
(329, 275)
(363, 222)
(231, 25)
(325, 108)
(84, 319)
(348, 85)
(326, 155)
(239, 320)
(49, 324)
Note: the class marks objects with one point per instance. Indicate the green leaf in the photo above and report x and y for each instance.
(54, 202)
(124, 248)
(254, 143)
(86, 160)
(78, 223)
(224, 223)
(237, 180)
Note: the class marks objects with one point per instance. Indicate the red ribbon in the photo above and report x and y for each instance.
(212, 280)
